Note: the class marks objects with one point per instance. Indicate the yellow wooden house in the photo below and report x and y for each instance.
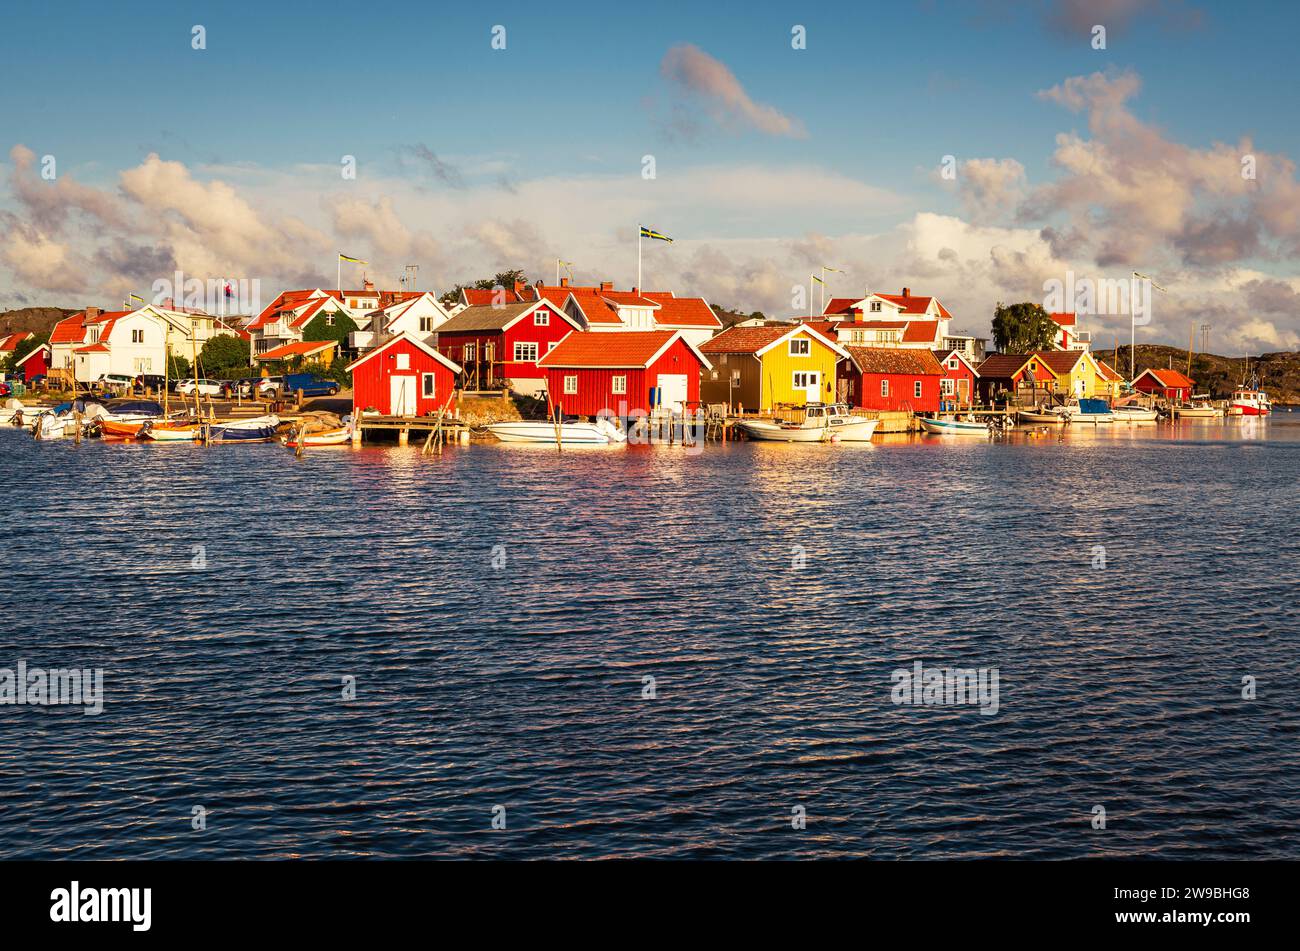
(760, 368)
(1074, 373)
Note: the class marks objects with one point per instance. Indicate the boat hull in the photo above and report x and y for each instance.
(328, 437)
(1135, 416)
(1032, 416)
(952, 427)
(577, 434)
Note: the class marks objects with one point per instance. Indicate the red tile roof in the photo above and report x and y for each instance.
(69, 329)
(1065, 320)
(633, 348)
(1059, 361)
(744, 339)
(100, 347)
(484, 296)
(875, 324)
(11, 341)
(914, 305)
(921, 331)
(894, 360)
(840, 305)
(1003, 366)
(299, 348)
(683, 311)
(1108, 372)
(1171, 378)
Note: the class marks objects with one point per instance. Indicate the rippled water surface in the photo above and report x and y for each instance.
(482, 684)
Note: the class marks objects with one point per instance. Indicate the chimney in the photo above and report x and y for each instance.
(564, 282)
(606, 285)
(368, 285)
(92, 313)
(907, 292)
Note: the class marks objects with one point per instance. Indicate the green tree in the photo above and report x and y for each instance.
(224, 353)
(1022, 328)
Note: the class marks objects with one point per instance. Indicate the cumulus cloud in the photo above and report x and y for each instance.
(701, 77)
(991, 188)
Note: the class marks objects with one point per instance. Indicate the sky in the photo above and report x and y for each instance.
(976, 150)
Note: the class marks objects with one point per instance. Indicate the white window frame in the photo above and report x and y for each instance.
(916, 389)
(525, 343)
(884, 387)
(799, 347)
(618, 384)
(403, 361)
(570, 384)
(541, 318)
(137, 335)
(948, 386)
(875, 306)
(471, 351)
(428, 385)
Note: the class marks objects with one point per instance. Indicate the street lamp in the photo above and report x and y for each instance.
(1132, 346)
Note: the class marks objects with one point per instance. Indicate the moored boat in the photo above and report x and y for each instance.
(258, 429)
(335, 436)
(821, 423)
(952, 426)
(600, 432)
(171, 430)
(1045, 414)
(1133, 413)
(1197, 409)
(1249, 403)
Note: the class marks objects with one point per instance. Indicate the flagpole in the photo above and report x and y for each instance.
(638, 259)
(823, 310)
(338, 274)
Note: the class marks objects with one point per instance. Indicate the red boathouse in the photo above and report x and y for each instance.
(890, 378)
(35, 363)
(623, 372)
(1170, 384)
(404, 377)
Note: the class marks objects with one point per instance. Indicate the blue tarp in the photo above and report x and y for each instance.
(1093, 406)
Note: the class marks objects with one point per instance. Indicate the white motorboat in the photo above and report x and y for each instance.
(1046, 414)
(1197, 409)
(601, 432)
(821, 423)
(952, 426)
(1133, 413)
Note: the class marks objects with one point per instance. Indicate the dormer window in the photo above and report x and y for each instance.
(875, 306)
(800, 347)
(542, 318)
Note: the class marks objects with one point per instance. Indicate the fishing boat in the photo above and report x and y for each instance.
(1249, 403)
(258, 429)
(950, 425)
(126, 418)
(600, 432)
(1086, 410)
(821, 423)
(1133, 413)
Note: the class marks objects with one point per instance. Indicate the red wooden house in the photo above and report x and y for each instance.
(404, 377)
(626, 372)
(1170, 384)
(35, 363)
(499, 345)
(890, 378)
(959, 375)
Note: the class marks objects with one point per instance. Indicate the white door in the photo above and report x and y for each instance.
(811, 383)
(672, 390)
(402, 391)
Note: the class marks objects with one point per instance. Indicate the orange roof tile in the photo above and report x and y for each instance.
(683, 311)
(69, 330)
(300, 348)
(894, 360)
(921, 331)
(633, 348)
(1065, 320)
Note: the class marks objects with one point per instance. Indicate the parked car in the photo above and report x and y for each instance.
(269, 385)
(113, 381)
(310, 384)
(244, 387)
(204, 387)
(153, 381)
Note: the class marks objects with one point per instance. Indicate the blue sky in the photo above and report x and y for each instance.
(882, 92)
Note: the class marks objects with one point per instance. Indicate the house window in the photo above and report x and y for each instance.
(137, 336)
(875, 306)
(470, 351)
(427, 384)
(916, 389)
(551, 345)
(884, 387)
(525, 353)
(858, 336)
(426, 325)
(618, 384)
(571, 384)
(403, 361)
(542, 318)
(947, 387)
(952, 364)
(800, 347)
(329, 319)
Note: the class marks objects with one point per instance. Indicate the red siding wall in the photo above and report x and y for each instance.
(864, 390)
(962, 372)
(36, 365)
(452, 345)
(596, 388)
(1148, 385)
(372, 386)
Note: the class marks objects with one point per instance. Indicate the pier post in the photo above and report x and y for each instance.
(356, 435)
(403, 436)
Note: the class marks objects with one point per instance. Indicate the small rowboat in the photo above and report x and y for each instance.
(120, 428)
(327, 437)
(172, 431)
(948, 426)
(259, 429)
(1132, 413)
(1041, 416)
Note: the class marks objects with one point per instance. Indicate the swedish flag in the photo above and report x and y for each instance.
(137, 297)
(816, 278)
(651, 233)
(344, 257)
